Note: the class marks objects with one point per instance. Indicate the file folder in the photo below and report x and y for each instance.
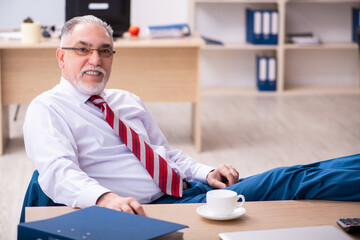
(261, 73)
(274, 29)
(97, 223)
(262, 26)
(266, 73)
(254, 26)
(271, 73)
(355, 23)
(266, 24)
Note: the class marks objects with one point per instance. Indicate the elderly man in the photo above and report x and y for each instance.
(100, 146)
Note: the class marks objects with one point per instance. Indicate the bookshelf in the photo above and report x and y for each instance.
(300, 68)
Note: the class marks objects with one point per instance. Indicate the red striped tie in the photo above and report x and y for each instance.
(167, 179)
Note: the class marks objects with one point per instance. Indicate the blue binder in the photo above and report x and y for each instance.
(266, 73)
(262, 26)
(355, 23)
(254, 26)
(97, 223)
(261, 72)
(274, 28)
(266, 26)
(272, 73)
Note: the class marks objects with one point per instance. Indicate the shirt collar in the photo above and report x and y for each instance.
(67, 86)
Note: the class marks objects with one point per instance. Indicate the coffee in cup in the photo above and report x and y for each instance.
(223, 202)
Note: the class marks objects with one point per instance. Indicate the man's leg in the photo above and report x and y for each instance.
(336, 179)
(347, 162)
(298, 182)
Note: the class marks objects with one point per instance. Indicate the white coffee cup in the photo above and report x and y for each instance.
(223, 202)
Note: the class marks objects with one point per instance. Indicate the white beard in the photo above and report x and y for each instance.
(91, 88)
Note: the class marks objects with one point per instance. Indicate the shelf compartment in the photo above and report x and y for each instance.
(239, 46)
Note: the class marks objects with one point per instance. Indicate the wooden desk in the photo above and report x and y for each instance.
(259, 215)
(159, 70)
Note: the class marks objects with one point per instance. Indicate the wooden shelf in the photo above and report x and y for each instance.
(281, 49)
(304, 90)
(322, 90)
(350, 46)
(239, 46)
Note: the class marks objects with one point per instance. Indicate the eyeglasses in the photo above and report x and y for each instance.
(83, 51)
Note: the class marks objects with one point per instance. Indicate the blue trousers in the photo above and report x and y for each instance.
(335, 179)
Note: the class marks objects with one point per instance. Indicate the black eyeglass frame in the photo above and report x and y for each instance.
(90, 50)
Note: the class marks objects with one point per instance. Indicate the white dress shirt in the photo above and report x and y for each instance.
(80, 157)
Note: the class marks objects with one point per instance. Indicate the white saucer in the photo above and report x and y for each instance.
(202, 211)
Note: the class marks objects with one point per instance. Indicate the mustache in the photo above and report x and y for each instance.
(90, 68)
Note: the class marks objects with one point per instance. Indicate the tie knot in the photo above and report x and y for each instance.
(97, 101)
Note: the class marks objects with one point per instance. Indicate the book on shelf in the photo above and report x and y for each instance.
(99, 223)
(211, 41)
(266, 73)
(355, 24)
(169, 31)
(262, 26)
(304, 38)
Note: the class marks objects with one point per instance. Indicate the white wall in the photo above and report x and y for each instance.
(52, 12)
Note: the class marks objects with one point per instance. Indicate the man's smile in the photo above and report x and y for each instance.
(95, 73)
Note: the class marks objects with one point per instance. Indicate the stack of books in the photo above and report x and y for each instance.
(303, 38)
(169, 31)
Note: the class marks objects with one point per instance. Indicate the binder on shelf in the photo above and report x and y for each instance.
(254, 26)
(262, 26)
(261, 72)
(99, 223)
(274, 30)
(266, 26)
(266, 73)
(271, 73)
(355, 23)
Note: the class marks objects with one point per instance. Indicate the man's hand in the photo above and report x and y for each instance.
(223, 176)
(114, 201)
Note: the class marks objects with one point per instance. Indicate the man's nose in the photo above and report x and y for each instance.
(95, 58)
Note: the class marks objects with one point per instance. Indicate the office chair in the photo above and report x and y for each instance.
(35, 197)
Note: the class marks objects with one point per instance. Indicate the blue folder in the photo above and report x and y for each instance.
(274, 27)
(271, 76)
(261, 72)
(254, 26)
(262, 26)
(266, 73)
(355, 23)
(97, 223)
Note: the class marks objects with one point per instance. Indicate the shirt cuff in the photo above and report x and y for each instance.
(89, 197)
(202, 173)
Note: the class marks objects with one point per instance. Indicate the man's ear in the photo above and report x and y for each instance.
(60, 57)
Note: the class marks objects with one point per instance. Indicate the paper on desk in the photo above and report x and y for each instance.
(10, 35)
